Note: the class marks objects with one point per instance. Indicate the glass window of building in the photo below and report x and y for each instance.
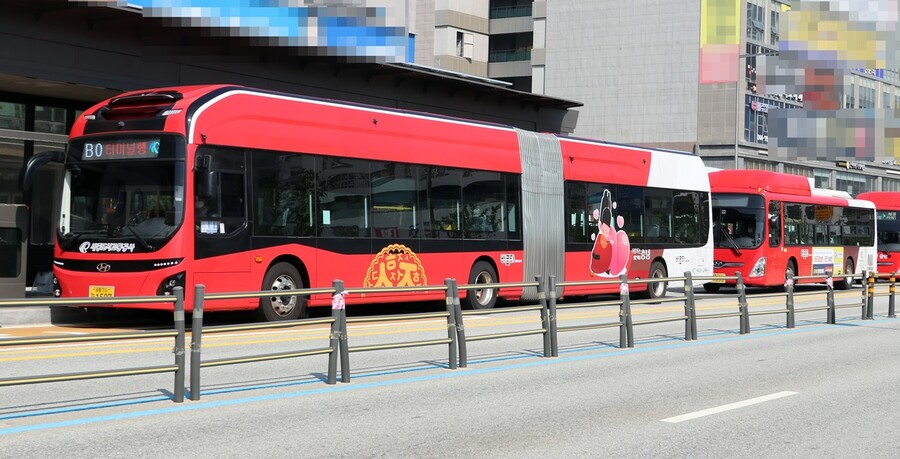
(756, 25)
(798, 170)
(822, 178)
(759, 164)
(773, 25)
(890, 184)
(867, 94)
(12, 154)
(12, 116)
(49, 119)
(852, 183)
(850, 99)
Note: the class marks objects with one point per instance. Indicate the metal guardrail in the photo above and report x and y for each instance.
(197, 332)
(462, 339)
(178, 333)
(456, 340)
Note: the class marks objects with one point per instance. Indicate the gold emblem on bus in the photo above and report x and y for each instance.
(395, 266)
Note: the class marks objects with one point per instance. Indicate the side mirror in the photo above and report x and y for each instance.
(26, 177)
(206, 183)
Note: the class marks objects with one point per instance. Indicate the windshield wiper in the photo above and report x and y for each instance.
(75, 238)
(730, 239)
(146, 245)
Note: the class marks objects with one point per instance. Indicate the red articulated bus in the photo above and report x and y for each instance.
(244, 190)
(887, 207)
(767, 224)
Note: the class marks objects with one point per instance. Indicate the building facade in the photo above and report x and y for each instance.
(652, 73)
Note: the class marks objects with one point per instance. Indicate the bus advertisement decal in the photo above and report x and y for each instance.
(611, 255)
(396, 266)
(828, 260)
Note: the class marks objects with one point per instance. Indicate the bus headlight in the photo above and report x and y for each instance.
(759, 269)
(57, 290)
(167, 286)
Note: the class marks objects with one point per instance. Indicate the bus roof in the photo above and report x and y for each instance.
(778, 186)
(887, 200)
(737, 180)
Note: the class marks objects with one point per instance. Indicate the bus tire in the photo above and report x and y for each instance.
(282, 276)
(712, 288)
(847, 283)
(790, 269)
(482, 273)
(655, 289)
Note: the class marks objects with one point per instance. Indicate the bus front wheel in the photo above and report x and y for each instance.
(282, 276)
(484, 298)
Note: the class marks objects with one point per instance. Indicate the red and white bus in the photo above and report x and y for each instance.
(887, 207)
(767, 224)
(242, 190)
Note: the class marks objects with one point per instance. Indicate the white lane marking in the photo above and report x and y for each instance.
(730, 406)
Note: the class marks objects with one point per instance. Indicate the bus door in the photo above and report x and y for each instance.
(777, 253)
(222, 235)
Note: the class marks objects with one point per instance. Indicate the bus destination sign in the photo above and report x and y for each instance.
(120, 149)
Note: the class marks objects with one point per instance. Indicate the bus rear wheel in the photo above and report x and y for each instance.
(655, 289)
(847, 283)
(282, 276)
(485, 298)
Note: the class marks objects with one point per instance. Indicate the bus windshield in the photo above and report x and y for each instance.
(127, 203)
(739, 220)
(888, 232)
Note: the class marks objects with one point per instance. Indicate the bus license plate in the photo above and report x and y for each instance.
(718, 281)
(101, 291)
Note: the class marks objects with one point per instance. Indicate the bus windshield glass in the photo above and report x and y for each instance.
(738, 220)
(130, 196)
(888, 232)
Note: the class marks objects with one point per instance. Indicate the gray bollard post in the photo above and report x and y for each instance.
(870, 303)
(545, 315)
(179, 344)
(460, 326)
(554, 332)
(743, 308)
(626, 311)
(196, 338)
(829, 298)
(891, 289)
(865, 293)
(453, 356)
(789, 288)
(689, 324)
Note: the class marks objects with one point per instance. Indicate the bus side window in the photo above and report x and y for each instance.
(774, 218)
